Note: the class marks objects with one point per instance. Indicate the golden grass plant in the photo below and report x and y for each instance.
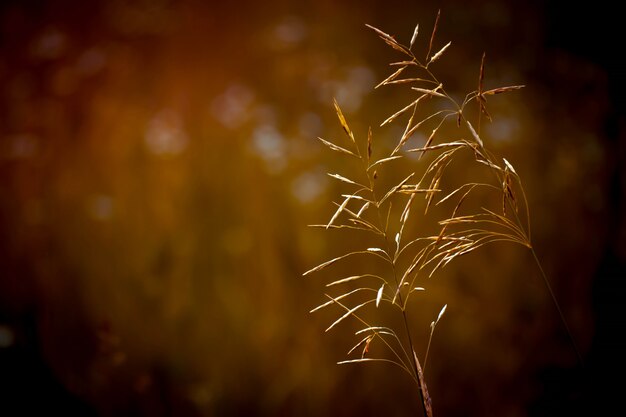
(384, 211)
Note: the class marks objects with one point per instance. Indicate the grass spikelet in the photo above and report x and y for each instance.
(363, 208)
(369, 144)
(501, 90)
(343, 122)
(474, 134)
(439, 53)
(390, 40)
(392, 77)
(432, 36)
(384, 160)
(480, 98)
(402, 110)
(432, 92)
(352, 278)
(379, 295)
(348, 314)
(337, 148)
(414, 37)
(344, 179)
(330, 262)
(335, 300)
(338, 212)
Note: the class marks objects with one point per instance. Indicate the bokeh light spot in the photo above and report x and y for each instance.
(164, 134)
(50, 45)
(232, 107)
(503, 129)
(290, 32)
(307, 186)
(269, 144)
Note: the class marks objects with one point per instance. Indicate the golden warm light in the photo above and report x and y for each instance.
(161, 163)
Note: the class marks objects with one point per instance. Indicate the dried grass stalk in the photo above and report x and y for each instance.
(465, 230)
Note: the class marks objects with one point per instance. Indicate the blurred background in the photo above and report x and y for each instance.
(159, 167)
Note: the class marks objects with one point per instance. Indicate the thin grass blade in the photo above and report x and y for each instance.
(337, 148)
(348, 314)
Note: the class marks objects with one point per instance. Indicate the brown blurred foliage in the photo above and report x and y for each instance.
(158, 168)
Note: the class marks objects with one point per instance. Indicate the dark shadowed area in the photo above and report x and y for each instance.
(159, 165)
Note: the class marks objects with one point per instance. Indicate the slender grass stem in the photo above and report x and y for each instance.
(405, 319)
(558, 308)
